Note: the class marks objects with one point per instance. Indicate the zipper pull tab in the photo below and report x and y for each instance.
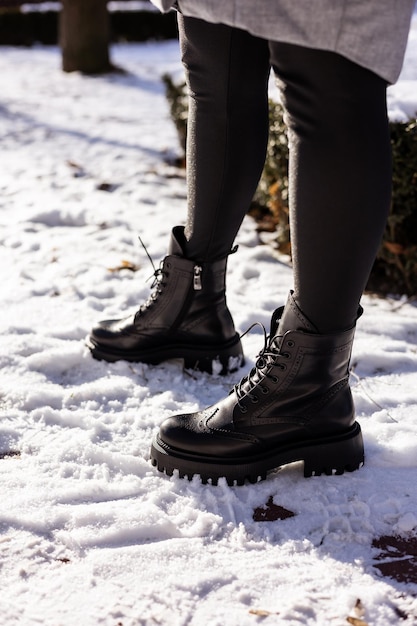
(197, 278)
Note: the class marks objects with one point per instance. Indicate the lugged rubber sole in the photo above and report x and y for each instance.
(216, 359)
(327, 455)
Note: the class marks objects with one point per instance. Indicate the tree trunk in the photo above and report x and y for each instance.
(84, 36)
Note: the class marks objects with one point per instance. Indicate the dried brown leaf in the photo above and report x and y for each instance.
(124, 265)
(359, 608)
(271, 512)
(261, 612)
(397, 557)
(395, 248)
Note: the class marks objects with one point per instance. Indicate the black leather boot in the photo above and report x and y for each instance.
(295, 405)
(186, 317)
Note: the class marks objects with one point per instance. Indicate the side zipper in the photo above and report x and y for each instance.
(197, 278)
(197, 286)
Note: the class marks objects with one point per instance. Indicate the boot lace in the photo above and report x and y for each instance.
(157, 284)
(269, 356)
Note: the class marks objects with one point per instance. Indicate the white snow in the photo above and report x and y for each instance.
(90, 533)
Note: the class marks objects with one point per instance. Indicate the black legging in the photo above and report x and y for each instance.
(340, 164)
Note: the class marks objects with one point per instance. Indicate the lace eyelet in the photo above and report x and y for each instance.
(254, 399)
(274, 379)
(286, 355)
(243, 409)
(290, 343)
(264, 390)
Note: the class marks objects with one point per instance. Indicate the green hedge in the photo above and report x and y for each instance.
(395, 268)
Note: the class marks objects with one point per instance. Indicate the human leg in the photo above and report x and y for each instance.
(227, 73)
(296, 403)
(187, 316)
(340, 178)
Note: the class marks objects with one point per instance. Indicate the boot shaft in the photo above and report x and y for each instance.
(190, 297)
(301, 376)
(301, 380)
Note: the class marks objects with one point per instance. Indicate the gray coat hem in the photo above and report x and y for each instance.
(371, 33)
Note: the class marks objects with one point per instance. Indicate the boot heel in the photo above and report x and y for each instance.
(346, 454)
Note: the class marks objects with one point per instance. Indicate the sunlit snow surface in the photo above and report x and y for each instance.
(90, 533)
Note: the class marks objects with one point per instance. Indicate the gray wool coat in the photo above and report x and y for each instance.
(372, 33)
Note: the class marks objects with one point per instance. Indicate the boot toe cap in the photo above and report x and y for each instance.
(189, 434)
(112, 332)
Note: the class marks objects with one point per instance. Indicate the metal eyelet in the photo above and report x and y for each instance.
(265, 390)
(243, 409)
(254, 399)
(274, 379)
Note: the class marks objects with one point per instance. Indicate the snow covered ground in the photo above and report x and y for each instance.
(90, 533)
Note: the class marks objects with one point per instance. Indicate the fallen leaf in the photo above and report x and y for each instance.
(395, 248)
(124, 265)
(397, 558)
(355, 621)
(78, 169)
(359, 608)
(261, 612)
(109, 187)
(271, 512)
